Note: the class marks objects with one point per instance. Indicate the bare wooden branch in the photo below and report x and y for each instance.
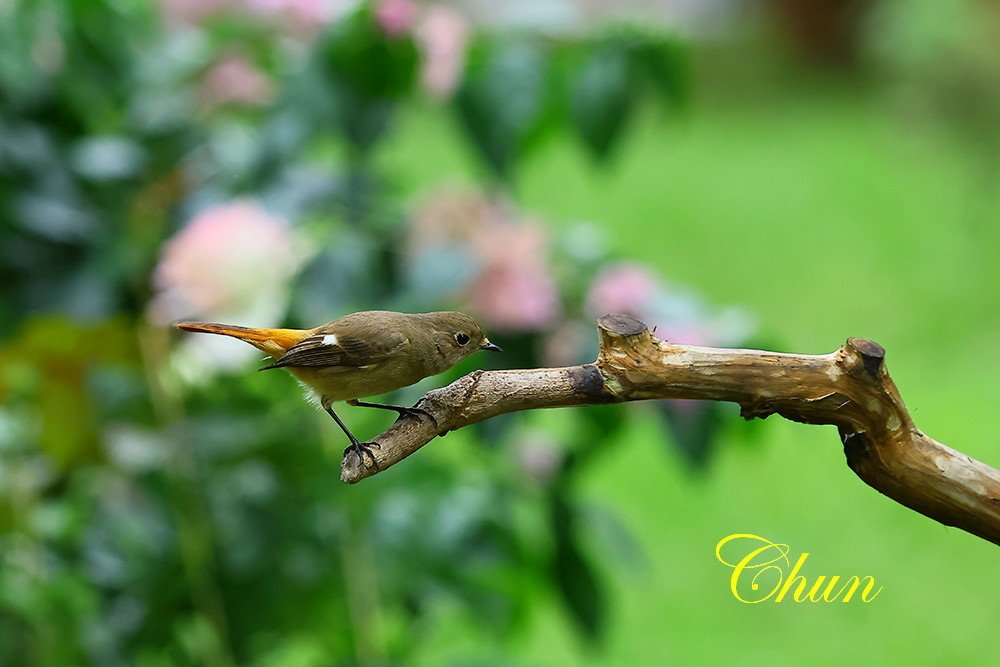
(849, 388)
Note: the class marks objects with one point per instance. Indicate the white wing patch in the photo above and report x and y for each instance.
(330, 339)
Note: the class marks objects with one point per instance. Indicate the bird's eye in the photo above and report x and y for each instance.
(462, 339)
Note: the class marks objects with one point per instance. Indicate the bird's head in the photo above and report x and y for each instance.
(456, 336)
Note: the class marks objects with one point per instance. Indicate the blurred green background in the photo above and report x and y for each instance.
(774, 174)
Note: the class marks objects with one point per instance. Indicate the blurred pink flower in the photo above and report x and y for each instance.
(395, 17)
(689, 334)
(678, 315)
(234, 79)
(627, 288)
(223, 260)
(443, 36)
(232, 263)
(513, 288)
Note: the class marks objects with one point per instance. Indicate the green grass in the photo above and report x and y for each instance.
(827, 216)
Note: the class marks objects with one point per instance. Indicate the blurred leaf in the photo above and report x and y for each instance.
(493, 432)
(602, 97)
(439, 271)
(280, 138)
(598, 426)
(367, 72)
(694, 426)
(26, 147)
(613, 73)
(607, 532)
(296, 650)
(603, 422)
(664, 63)
(198, 637)
(337, 280)
(99, 41)
(574, 576)
(87, 295)
(502, 100)
(365, 122)
(360, 56)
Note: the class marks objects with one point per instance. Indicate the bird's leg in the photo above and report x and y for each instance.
(359, 448)
(399, 409)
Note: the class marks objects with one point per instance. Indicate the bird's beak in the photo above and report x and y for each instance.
(487, 345)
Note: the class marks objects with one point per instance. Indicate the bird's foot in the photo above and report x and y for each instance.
(415, 413)
(360, 449)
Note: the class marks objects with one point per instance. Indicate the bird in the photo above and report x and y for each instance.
(363, 354)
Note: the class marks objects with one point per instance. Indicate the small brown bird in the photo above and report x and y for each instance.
(364, 354)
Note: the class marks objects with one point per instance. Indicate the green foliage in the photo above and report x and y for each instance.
(357, 55)
(156, 511)
(503, 100)
(518, 91)
(574, 574)
(366, 73)
(602, 99)
(612, 77)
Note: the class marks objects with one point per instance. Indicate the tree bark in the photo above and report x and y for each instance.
(849, 388)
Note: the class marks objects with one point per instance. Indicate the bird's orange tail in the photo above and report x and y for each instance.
(273, 341)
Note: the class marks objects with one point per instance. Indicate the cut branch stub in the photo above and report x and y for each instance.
(872, 354)
(621, 325)
(849, 388)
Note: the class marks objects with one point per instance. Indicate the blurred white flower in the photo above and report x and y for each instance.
(305, 16)
(134, 449)
(443, 36)
(232, 263)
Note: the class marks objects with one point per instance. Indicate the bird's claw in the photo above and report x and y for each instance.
(415, 413)
(361, 448)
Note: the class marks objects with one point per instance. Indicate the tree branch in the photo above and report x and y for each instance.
(849, 388)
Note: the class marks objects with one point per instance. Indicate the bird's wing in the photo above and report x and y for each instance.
(332, 350)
